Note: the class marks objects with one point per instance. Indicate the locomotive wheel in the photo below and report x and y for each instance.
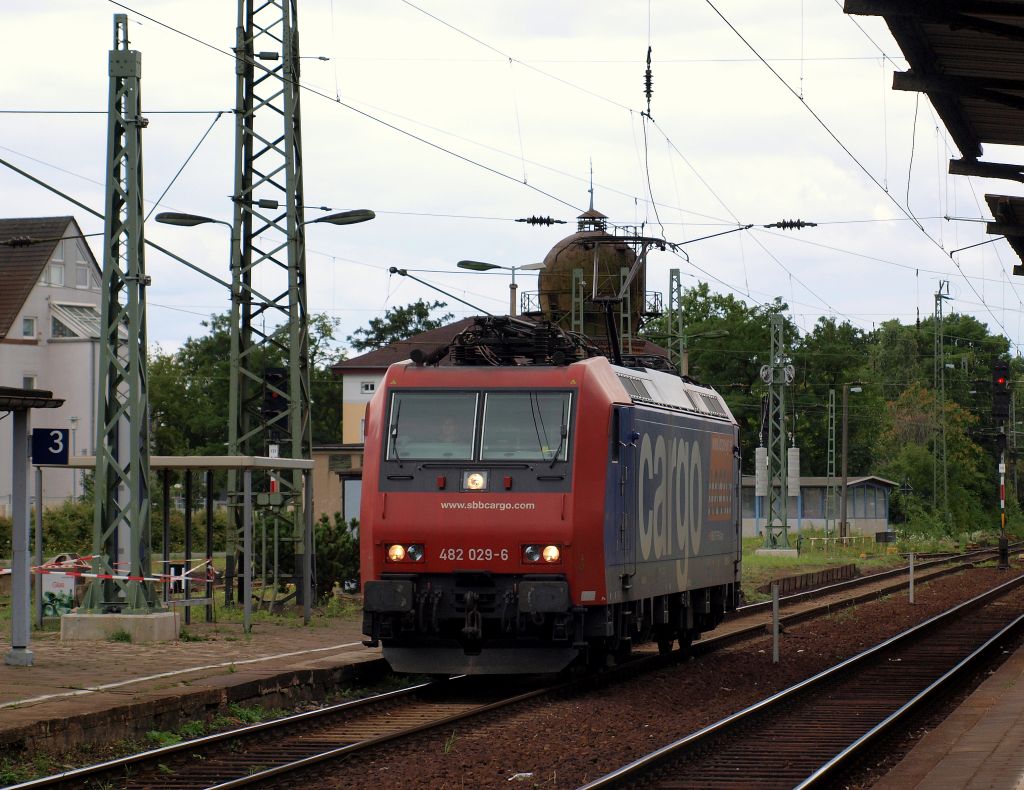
(686, 638)
(664, 636)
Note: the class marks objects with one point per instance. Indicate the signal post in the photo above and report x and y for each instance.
(1000, 413)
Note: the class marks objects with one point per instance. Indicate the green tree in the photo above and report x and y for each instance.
(398, 323)
(729, 362)
(189, 389)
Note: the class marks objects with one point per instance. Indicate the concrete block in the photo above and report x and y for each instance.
(791, 553)
(18, 657)
(156, 627)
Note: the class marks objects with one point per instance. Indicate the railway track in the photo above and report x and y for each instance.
(893, 573)
(809, 734)
(260, 753)
(731, 631)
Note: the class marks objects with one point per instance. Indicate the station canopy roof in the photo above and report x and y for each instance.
(968, 57)
(14, 399)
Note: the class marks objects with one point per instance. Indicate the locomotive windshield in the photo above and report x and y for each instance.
(432, 425)
(451, 426)
(527, 426)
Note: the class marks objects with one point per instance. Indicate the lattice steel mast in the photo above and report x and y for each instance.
(269, 242)
(940, 472)
(778, 375)
(831, 491)
(675, 320)
(122, 436)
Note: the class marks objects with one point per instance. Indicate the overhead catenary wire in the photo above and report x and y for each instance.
(184, 164)
(517, 179)
(852, 156)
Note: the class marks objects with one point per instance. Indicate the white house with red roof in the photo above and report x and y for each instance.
(49, 335)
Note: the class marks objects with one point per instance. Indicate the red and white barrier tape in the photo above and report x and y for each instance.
(61, 569)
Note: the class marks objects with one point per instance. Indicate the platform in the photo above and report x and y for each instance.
(979, 746)
(103, 691)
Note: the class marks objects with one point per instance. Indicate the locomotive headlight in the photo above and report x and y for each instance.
(531, 553)
(408, 552)
(551, 554)
(474, 481)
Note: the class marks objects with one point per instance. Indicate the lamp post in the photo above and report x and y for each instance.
(481, 266)
(848, 387)
(685, 349)
(338, 218)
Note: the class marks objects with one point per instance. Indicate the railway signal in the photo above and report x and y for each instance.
(1000, 390)
(275, 393)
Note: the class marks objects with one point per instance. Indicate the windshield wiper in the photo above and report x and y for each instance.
(394, 434)
(561, 442)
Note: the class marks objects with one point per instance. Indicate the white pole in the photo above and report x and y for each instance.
(247, 550)
(911, 577)
(39, 547)
(775, 622)
(21, 617)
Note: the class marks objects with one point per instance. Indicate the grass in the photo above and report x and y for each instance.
(23, 767)
(120, 636)
(759, 569)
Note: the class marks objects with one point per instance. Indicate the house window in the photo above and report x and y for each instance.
(28, 327)
(58, 329)
(82, 276)
(367, 387)
(28, 382)
(56, 273)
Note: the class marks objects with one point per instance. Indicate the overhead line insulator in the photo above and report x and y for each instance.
(792, 224)
(541, 221)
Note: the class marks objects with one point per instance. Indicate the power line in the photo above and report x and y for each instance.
(381, 121)
(859, 164)
(516, 60)
(104, 112)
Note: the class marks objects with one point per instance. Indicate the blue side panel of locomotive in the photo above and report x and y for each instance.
(672, 510)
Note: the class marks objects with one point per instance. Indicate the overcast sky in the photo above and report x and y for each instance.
(535, 91)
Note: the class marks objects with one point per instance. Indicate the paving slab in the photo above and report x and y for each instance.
(980, 746)
(86, 692)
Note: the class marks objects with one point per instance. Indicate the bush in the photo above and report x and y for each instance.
(68, 528)
(337, 553)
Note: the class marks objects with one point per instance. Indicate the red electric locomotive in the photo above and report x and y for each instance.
(546, 508)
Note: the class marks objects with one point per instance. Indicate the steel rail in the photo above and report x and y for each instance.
(123, 764)
(717, 641)
(828, 772)
(119, 764)
(648, 764)
(313, 759)
(818, 592)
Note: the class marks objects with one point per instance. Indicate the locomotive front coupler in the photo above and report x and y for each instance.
(473, 628)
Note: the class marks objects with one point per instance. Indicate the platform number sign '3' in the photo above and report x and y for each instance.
(50, 446)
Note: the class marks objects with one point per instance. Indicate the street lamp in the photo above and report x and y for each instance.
(186, 220)
(685, 363)
(338, 218)
(848, 387)
(480, 266)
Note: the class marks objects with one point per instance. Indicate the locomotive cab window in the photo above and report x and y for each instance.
(526, 426)
(428, 426)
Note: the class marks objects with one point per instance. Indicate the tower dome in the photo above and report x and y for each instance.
(584, 268)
